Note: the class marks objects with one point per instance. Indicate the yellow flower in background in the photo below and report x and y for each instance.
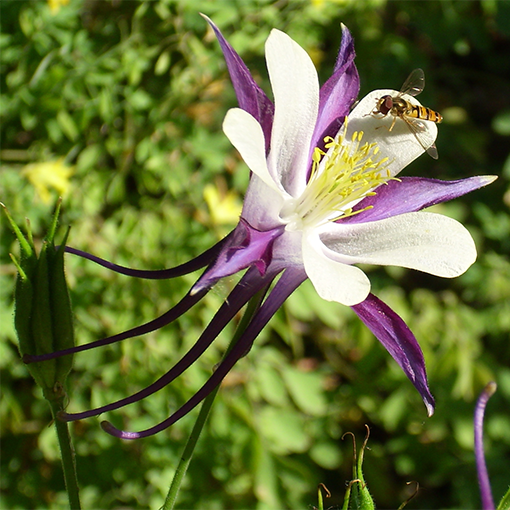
(50, 174)
(55, 5)
(224, 208)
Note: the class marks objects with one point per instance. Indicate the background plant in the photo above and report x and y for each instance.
(120, 103)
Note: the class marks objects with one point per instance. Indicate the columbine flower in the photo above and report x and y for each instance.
(323, 196)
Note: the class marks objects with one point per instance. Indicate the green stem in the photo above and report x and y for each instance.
(187, 454)
(67, 455)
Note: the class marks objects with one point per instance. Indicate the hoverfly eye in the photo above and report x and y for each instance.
(386, 104)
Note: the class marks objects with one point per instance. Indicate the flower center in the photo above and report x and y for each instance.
(340, 178)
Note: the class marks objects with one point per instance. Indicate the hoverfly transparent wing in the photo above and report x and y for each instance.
(432, 151)
(414, 84)
(418, 129)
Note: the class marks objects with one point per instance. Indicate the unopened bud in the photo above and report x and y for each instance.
(43, 315)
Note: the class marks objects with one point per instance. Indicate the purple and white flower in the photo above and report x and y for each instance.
(323, 197)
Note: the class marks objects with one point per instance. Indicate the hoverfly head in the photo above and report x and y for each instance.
(385, 104)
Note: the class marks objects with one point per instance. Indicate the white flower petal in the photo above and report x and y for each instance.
(425, 241)
(333, 281)
(246, 135)
(400, 144)
(296, 95)
(262, 205)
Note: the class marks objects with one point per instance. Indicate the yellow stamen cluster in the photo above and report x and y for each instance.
(341, 176)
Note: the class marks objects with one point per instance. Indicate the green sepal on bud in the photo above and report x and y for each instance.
(320, 489)
(504, 504)
(43, 316)
(357, 496)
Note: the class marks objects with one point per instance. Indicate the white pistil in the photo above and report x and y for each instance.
(340, 178)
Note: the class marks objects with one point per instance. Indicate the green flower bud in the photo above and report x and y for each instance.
(43, 316)
(357, 496)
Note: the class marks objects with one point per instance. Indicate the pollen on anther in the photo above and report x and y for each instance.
(342, 174)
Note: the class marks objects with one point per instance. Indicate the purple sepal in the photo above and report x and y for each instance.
(189, 300)
(338, 94)
(286, 285)
(248, 247)
(410, 194)
(240, 295)
(159, 274)
(399, 341)
(481, 467)
(249, 95)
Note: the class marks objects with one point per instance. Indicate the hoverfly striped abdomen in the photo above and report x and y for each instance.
(423, 113)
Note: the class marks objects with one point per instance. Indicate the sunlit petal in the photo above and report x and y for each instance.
(399, 145)
(246, 135)
(429, 242)
(296, 94)
(333, 280)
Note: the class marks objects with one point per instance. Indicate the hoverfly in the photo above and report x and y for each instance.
(411, 114)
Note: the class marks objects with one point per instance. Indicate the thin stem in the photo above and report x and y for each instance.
(67, 455)
(171, 498)
(185, 461)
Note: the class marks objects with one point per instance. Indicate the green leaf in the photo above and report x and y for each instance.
(67, 124)
(266, 487)
(326, 454)
(271, 385)
(501, 123)
(306, 389)
(283, 429)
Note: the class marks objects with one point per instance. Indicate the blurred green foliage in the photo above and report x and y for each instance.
(128, 97)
